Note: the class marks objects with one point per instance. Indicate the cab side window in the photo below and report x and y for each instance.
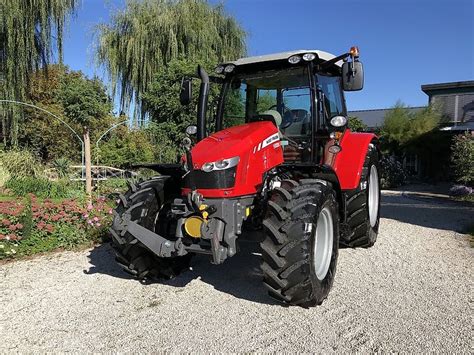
(333, 99)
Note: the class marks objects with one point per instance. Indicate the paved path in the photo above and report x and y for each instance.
(411, 292)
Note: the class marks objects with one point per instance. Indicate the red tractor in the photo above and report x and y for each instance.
(281, 158)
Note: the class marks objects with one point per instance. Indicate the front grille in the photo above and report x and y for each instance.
(218, 179)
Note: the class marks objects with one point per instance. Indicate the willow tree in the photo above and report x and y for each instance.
(31, 31)
(149, 34)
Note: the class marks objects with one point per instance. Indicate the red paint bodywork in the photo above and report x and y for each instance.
(349, 162)
(242, 141)
(245, 140)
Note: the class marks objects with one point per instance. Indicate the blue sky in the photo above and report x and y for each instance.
(403, 43)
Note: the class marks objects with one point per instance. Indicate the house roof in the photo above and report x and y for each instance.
(284, 55)
(428, 88)
(374, 118)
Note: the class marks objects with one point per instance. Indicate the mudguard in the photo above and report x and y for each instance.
(349, 162)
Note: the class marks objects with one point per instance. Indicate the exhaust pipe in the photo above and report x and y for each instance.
(202, 103)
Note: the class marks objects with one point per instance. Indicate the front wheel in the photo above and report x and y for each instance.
(146, 203)
(302, 240)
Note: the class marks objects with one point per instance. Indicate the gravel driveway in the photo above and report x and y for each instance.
(411, 292)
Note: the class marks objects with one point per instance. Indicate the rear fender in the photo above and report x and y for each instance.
(349, 162)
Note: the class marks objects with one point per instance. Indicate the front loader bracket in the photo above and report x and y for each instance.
(155, 242)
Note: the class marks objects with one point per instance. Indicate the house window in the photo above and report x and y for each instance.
(410, 163)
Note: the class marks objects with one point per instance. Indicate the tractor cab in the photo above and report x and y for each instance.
(299, 91)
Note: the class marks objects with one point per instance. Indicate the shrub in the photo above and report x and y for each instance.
(111, 186)
(462, 158)
(32, 226)
(4, 175)
(402, 128)
(461, 190)
(44, 188)
(20, 163)
(356, 124)
(392, 173)
(62, 167)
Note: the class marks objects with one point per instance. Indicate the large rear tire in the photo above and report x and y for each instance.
(363, 205)
(301, 245)
(146, 203)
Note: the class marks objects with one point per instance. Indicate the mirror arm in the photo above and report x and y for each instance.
(353, 71)
(326, 64)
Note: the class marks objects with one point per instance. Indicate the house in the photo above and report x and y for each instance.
(456, 102)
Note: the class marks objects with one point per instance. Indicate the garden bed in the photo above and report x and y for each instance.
(31, 225)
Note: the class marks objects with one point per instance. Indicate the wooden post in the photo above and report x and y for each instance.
(87, 153)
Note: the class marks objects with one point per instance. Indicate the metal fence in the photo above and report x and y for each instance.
(99, 172)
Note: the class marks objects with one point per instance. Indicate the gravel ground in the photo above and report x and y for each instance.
(411, 292)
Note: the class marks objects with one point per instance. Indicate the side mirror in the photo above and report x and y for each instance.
(352, 76)
(185, 94)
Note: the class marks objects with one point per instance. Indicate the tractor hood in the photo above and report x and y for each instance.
(249, 151)
(232, 142)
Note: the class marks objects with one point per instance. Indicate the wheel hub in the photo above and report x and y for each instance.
(323, 243)
(373, 199)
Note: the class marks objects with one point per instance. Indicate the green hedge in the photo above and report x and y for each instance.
(44, 188)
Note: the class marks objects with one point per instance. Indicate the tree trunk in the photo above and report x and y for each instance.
(87, 154)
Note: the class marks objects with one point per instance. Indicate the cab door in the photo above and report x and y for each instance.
(331, 103)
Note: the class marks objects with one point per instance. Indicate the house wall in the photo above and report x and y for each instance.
(455, 107)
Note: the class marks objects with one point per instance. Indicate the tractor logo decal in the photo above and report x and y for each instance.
(266, 142)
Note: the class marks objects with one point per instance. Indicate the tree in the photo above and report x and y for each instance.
(462, 158)
(30, 32)
(83, 100)
(162, 103)
(356, 124)
(401, 128)
(127, 147)
(147, 35)
(71, 96)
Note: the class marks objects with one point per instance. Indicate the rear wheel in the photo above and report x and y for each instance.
(146, 203)
(363, 205)
(301, 245)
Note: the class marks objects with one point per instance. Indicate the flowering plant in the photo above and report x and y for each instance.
(32, 225)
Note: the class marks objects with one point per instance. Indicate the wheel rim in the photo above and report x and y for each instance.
(373, 199)
(323, 243)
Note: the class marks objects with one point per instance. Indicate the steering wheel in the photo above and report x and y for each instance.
(287, 119)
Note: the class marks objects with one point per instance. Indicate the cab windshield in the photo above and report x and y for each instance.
(283, 94)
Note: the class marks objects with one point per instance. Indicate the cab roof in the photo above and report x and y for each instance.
(322, 55)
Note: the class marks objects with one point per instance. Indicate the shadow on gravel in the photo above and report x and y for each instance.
(428, 212)
(102, 259)
(239, 276)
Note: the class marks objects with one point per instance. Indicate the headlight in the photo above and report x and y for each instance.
(230, 68)
(220, 69)
(309, 56)
(220, 164)
(295, 59)
(207, 167)
(338, 121)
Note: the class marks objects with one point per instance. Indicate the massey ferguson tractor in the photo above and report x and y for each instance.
(276, 155)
